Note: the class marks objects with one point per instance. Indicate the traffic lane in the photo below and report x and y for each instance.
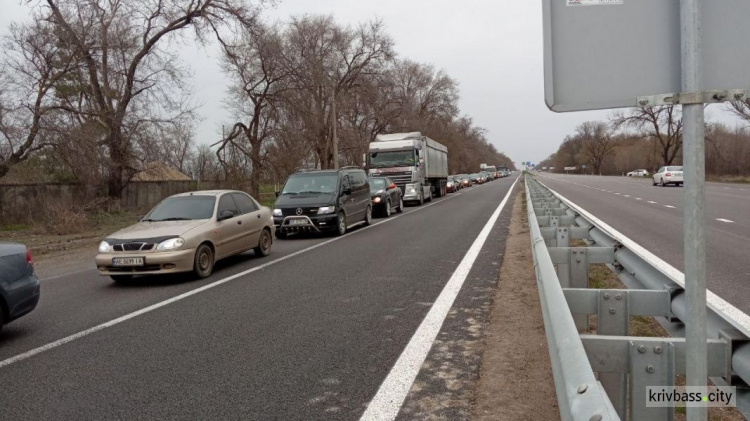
(660, 230)
(311, 338)
(730, 213)
(71, 303)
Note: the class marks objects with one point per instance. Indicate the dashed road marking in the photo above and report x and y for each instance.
(725, 220)
(669, 206)
(652, 202)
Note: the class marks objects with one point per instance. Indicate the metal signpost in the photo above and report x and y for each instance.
(628, 53)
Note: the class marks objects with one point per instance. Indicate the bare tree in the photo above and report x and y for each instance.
(130, 77)
(255, 63)
(327, 62)
(597, 143)
(33, 65)
(663, 123)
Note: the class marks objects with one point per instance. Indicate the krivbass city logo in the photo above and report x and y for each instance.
(673, 396)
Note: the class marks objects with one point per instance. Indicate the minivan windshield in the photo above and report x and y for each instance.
(182, 208)
(392, 159)
(312, 183)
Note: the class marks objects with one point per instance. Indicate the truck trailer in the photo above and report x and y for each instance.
(416, 163)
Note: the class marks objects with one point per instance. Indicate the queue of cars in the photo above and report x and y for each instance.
(190, 232)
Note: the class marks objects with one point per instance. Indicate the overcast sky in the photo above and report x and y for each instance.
(492, 48)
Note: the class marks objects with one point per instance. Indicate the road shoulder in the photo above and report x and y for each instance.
(515, 381)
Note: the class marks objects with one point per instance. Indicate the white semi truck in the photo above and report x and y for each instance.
(416, 163)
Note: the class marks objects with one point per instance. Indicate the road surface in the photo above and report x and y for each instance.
(310, 332)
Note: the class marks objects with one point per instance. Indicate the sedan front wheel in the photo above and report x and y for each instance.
(204, 261)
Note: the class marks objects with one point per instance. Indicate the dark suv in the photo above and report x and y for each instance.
(323, 201)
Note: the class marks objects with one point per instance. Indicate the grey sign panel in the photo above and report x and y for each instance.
(607, 54)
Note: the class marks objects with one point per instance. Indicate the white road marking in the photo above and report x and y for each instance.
(392, 392)
(652, 202)
(627, 195)
(73, 337)
(669, 206)
(617, 193)
(638, 198)
(725, 220)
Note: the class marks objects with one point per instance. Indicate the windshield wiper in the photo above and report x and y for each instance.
(148, 220)
(288, 192)
(174, 219)
(311, 192)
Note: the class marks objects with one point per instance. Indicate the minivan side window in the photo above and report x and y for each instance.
(244, 203)
(226, 203)
(345, 184)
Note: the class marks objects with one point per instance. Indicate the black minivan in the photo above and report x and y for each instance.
(323, 201)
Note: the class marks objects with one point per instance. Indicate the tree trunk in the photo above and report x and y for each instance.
(115, 180)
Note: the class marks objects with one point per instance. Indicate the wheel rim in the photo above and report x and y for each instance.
(342, 223)
(204, 261)
(400, 203)
(368, 216)
(388, 208)
(265, 241)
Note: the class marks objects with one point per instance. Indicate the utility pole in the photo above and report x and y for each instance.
(694, 212)
(334, 123)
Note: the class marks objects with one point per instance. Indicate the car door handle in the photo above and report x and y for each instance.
(239, 222)
(258, 216)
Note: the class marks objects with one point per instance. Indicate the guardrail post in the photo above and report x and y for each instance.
(613, 318)
(579, 277)
(651, 364)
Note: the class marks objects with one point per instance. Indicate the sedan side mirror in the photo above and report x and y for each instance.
(226, 214)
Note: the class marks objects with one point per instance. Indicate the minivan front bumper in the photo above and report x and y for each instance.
(309, 223)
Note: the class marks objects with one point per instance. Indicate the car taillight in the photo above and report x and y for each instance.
(668, 174)
(28, 257)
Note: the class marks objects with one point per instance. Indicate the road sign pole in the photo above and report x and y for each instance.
(694, 203)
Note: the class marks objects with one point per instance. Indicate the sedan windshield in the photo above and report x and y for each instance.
(674, 168)
(182, 208)
(312, 183)
(392, 159)
(377, 184)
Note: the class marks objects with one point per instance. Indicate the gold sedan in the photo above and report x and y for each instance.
(188, 232)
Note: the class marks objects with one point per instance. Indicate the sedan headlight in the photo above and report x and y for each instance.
(277, 212)
(376, 200)
(104, 247)
(171, 244)
(324, 210)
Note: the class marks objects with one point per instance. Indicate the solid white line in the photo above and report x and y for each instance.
(174, 299)
(393, 391)
(725, 220)
(669, 206)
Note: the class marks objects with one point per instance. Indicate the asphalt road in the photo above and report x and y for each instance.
(311, 336)
(652, 216)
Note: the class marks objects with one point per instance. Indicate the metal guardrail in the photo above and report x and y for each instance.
(603, 376)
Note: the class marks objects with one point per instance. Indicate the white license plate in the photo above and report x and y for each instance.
(298, 222)
(127, 261)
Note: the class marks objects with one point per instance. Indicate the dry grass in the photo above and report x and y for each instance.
(729, 179)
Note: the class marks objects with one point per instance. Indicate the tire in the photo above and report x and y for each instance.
(203, 264)
(341, 224)
(653, 183)
(663, 184)
(2, 317)
(368, 216)
(121, 279)
(421, 199)
(280, 234)
(400, 207)
(264, 244)
(387, 208)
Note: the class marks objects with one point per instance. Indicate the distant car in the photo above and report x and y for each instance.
(476, 178)
(668, 175)
(464, 179)
(19, 286)
(386, 196)
(454, 184)
(188, 232)
(638, 173)
(323, 201)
